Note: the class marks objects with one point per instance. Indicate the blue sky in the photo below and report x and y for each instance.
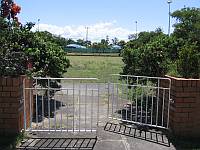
(115, 18)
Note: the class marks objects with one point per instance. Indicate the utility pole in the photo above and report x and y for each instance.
(169, 2)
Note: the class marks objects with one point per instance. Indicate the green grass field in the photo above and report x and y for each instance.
(94, 66)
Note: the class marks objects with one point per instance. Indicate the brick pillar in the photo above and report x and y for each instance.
(185, 111)
(11, 104)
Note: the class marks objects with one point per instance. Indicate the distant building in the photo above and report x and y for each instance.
(116, 47)
(75, 46)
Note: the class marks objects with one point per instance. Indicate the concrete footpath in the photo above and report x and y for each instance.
(114, 141)
(108, 138)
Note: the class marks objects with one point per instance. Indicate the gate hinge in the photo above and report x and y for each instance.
(171, 100)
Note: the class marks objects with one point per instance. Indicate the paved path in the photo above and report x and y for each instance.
(112, 141)
(109, 141)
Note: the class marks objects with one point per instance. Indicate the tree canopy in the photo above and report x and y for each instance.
(156, 54)
(21, 47)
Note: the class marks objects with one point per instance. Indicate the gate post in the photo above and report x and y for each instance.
(185, 110)
(11, 105)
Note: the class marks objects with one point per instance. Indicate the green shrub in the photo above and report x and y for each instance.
(188, 64)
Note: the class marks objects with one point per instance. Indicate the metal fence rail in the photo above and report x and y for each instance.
(140, 100)
(72, 106)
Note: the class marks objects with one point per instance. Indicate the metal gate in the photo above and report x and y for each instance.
(140, 100)
(82, 105)
(62, 104)
(79, 104)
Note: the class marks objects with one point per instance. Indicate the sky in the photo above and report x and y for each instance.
(112, 18)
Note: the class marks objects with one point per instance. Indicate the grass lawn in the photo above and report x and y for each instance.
(94, 66)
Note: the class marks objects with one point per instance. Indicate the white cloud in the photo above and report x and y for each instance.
(96, 32)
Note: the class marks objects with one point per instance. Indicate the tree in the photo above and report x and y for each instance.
(54, 38)
(19, 45)
(9, 10)
(188, 24)
(107, 39)
(189, 61)
(121, 43)
(146, 55)
(48, 57)
(187, 35)
(115, 41)
(132, 36)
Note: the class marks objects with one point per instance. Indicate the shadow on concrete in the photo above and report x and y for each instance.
(48, 110)
(185, 143)
(59, 143)
(143, 134)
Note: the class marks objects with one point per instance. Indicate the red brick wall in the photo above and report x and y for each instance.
(185, 111)
(11, 104)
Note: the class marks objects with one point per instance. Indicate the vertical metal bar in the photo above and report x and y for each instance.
(146, 117)
(158, 94)
(36, 107)
(117, 97)
(42, 111)
(48, 93)
(79, 107)
(85, 106)
(169, 99)
(92, 109)
(67, 110)
(141, 108)
(147, 99)
(131, 101)
(162, 138)
(98, 98)
(55, 122)
(136, 99)
(163, 105)
(73, 108)
(24, 98)
(61, 117)
(157, 137)
(152, 108)
(126, 97)
(108, 99)
(30, 105)
(122, 101)
(97, 104)
(146, 109)
(113, 99)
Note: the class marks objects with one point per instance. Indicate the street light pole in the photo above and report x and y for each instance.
(86, 38)
(136, 29)
(38, 25)
(169, 2)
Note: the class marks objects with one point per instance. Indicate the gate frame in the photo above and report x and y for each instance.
(48, 88)
(109, 83)
(159, 79)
